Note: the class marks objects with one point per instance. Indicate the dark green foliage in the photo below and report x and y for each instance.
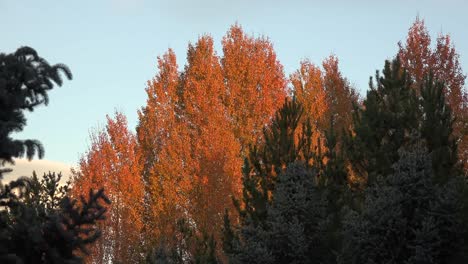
(406, 217)
(229, 236)
(286, 141)
(282, 146)
(335, 187)
(334, 171)
(384, 124)
(189, 246)
(161, 255)
(41, 225)
(295, 223)
(293, 230)
(286, 214)
(436, 129)
(412, 210)
(46, 192)
(393, 117)
(25, 79)
(252, 247)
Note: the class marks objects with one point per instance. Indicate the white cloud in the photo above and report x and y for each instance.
(24, 167)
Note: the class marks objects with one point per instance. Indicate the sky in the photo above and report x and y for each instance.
(111, 47)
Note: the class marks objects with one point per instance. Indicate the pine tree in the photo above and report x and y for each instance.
(25, 80)
(34, 233)
(337, 190)
(406, 217)
(47, 192)
(286, 140)
(437, 129)
(229, 237)
(420, 60)
(393, 115)
(295, 223)
(191, 246)
(385, 123)
(39, 223)
(334, 170)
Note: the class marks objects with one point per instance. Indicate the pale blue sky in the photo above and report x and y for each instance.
(111, 46)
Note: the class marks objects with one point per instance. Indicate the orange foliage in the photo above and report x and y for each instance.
(324, 94)
(307, 85)
(416, 54)
(112, 162)
(255, 83)
(159, 129)
(448, 68)
(419, 59)
(196, 124)
(214, 149)
(340, 96)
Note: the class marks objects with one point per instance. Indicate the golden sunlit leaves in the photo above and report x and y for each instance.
(307, 84)
(255, 83)
(340, 95)
(215, 151)
(416, 54)
(113, 162)
(197, 123)
(420, 59)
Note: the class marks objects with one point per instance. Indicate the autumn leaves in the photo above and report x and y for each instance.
(198, 122)
(185, 160)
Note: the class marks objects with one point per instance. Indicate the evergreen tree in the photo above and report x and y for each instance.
(437, 128)
(190, 246)
(25, 79)
(286, 214)
(412, 211)
(337, 192)
(334, 170)
(384, 124)
(406, 217)
(393, 116)
(229, 237)
(38, 222)
(46, 192)
(295, 224)
(33, 233)
(420, 59)
(285, 141)
(292, 230)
